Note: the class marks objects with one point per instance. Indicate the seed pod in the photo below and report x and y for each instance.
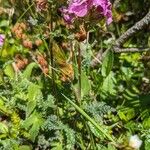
(23, 26)
(38, 42)
(27, 43)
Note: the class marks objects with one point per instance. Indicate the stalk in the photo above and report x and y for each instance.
(109, 137)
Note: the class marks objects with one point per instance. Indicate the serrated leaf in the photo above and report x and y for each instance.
(56, 146)
(3, 128)
(95, 131)
(107, 62)
(1, 76)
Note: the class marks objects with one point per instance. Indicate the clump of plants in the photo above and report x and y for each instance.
(74, 75)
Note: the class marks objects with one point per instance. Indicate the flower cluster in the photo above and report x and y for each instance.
(43, 63)
(20, 62)
(19, 30)
(81, 8)
(2, 38)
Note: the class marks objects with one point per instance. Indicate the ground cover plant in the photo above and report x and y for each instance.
(74, 75)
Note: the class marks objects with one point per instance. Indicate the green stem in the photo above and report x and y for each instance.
(79, 73)
(25, 11)
(91, 136)
(91, 120)
(30, 8)
(51, 51)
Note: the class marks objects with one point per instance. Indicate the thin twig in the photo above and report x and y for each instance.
(134, 29)
(79, 72)
(132, 49)
(97, 59)
(117, 47)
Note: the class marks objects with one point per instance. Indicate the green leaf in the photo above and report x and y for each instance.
(108, 86)
(25, 147)
(3, 109)
(56, 146)
(91, 120)
(146, 123)
(85, 84)
(4, 23)
(27, 72)
(1, 102)
(126, 114)
(111, 147)
(9, 71)
(3, 128)
(122, 115)
(149, 41)
(131, 94)
(33, 93)
(107, 63)
(95, 131)
(147, 144)
(1, 76)
(33, 124)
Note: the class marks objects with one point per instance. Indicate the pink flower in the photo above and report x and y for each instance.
(80, 8)
(2, 38)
